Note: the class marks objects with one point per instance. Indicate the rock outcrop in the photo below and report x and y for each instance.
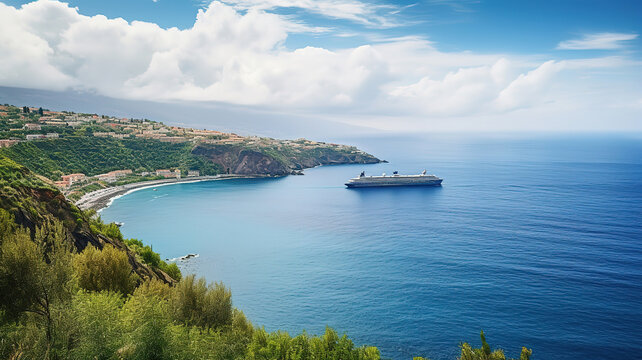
(243, 160)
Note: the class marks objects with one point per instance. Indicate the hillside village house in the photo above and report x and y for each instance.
(204, 132)
(168, 173)
(107, 177)
(7, 142)
(54, 122)
(113, 175)
(173, 139)
(61, 184)
(72, 179)
(192, 173)
(32, 127)
(121, 173)
(111, 134)
(35, 137)
(41, 136)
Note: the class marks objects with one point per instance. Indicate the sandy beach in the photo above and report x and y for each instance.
(102, 198)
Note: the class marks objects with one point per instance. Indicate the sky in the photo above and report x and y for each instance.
(425, 65)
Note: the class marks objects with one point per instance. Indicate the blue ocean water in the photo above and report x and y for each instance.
(536, 240)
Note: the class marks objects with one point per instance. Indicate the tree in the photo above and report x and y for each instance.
(98, 318)
(108, 269)
(171, 269)
(485, 352)
(200, 304)
(147, 318)
(155, 288)
(7, 225)
(35, 276)
(41, 111)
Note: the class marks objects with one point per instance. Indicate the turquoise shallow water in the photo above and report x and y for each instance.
(538, 241)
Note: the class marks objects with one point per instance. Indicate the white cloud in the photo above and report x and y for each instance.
(528, 89)
(459, 92)
(353, 10)
(239, 57)
(600, 41)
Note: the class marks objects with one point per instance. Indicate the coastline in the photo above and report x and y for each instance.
(100, 199)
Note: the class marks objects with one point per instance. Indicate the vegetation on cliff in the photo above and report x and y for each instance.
(32, 203)
(93, 156)
(272, 157)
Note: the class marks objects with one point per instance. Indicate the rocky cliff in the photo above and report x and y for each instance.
(240, 160)
(245, 159)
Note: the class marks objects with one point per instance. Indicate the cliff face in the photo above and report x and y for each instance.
(242, 161)
(239, 159)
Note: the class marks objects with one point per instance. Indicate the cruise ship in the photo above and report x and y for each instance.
(394, 180)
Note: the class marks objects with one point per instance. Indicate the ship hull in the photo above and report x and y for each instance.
(436, 182)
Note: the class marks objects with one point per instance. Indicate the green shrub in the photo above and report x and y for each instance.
(149, 256)
(485, 352)
(36, 284)
(133, 242)
(107, 269)
(155, 288)
(148, 327)
(197, 303)
(100, 329)
(171, 269)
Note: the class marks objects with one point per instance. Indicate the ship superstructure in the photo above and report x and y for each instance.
(394, 180)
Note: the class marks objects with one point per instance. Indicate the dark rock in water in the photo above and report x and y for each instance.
(187, 257)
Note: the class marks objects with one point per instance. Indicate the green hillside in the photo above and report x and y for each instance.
(93, 155)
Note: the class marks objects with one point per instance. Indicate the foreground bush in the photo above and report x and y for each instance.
(100, 328)
(280, 345)
(485, 353)
(36, 284)
(107, 269)
(197, 303)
